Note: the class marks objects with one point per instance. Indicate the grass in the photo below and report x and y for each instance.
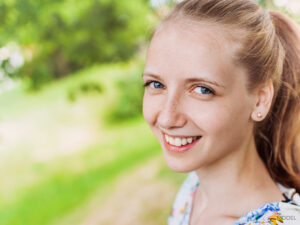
(43, 192)
(65, 189)
(61, 193)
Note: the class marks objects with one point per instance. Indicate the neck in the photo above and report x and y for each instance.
(239, 174)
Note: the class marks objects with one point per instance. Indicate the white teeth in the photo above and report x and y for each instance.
(179, 141)
(183, 141)
(171, 141)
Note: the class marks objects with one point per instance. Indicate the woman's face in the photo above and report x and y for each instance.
(194, 89)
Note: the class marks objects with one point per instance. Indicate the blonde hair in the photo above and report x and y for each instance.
(270, 51)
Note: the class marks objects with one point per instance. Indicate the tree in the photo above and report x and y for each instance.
(66, 35)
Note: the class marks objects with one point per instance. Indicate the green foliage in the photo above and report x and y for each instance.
(129, 102)
(68, 35)
(84, 88)
(77, 86)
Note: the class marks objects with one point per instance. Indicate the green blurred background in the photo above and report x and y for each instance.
(74, 148)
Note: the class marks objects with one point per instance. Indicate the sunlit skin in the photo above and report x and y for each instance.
(195, 88)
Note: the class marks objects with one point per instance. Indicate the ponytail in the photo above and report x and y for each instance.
(278, 136)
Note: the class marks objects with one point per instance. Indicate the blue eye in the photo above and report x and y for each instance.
(154, 84)
(204, 90)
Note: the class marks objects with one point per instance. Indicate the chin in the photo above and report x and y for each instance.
(179, 169)
(180, 165)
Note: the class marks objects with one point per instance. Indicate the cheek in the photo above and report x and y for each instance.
(220, 119)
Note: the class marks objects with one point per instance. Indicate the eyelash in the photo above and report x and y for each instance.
(149, 82)
(211, 91)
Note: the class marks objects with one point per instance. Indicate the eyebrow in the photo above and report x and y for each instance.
(189, 80)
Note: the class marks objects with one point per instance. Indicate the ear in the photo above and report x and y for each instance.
(264, 96)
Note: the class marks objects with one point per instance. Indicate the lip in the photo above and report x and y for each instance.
(179, 149)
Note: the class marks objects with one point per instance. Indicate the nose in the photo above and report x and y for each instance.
(171, 115)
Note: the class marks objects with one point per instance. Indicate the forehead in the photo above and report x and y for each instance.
(189, 47)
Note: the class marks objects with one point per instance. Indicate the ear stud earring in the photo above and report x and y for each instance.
(259, 114)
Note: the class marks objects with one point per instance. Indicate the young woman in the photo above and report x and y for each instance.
(222, 96)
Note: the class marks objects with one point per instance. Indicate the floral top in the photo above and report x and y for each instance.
(286, 212)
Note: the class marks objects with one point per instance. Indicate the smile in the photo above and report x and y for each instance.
(179, 144)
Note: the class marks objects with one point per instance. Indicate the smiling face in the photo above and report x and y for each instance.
(194, 89)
